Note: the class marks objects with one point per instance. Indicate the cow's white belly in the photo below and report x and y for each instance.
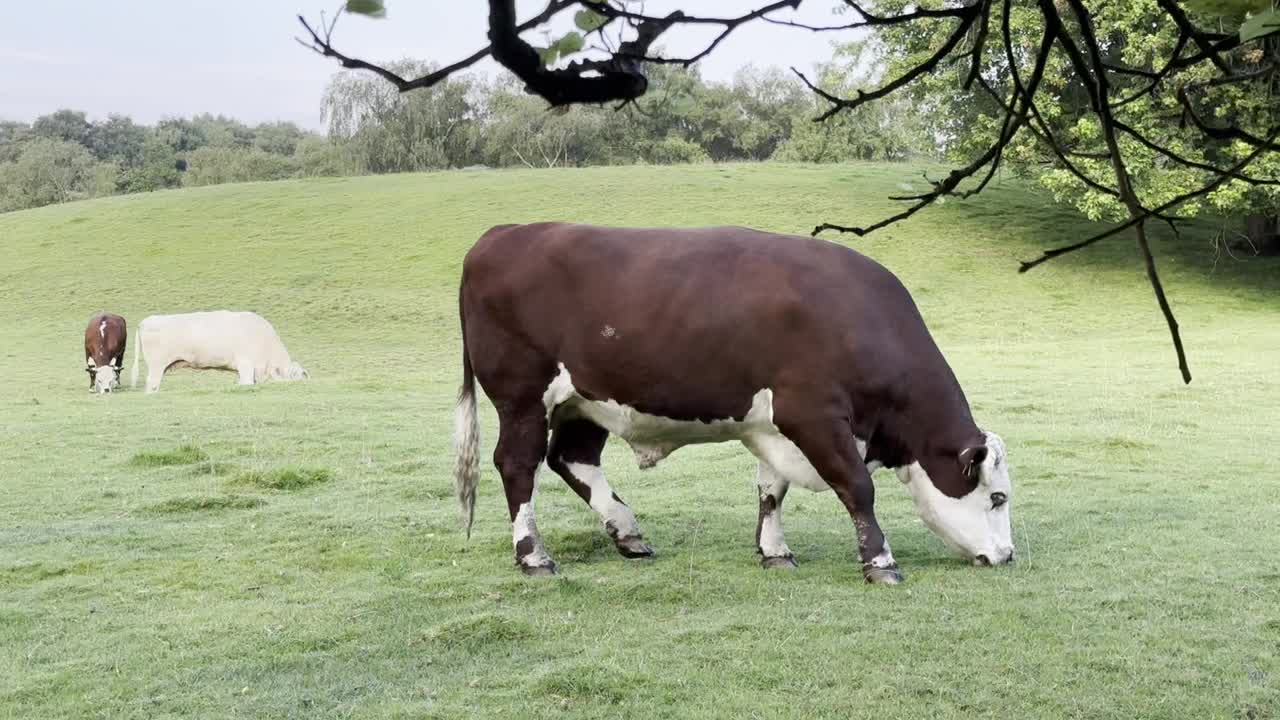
(653, 437)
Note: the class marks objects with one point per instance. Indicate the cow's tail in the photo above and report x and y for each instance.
(466, 441)
(137, 350)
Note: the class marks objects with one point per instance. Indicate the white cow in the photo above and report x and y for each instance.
(243, 342)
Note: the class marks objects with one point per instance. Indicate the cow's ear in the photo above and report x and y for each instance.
(971, 459)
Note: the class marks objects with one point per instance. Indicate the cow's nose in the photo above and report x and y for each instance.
(983, 560)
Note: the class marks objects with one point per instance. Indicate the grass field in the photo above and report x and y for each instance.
(294, 550)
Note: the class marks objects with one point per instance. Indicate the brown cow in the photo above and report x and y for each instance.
(104, 341)
(813, 356)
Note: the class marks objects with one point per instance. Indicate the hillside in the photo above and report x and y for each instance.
(303, 557)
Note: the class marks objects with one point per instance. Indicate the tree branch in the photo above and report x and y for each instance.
(324, 48)
(1137, 213)
(948, 185)
(1170, 205)
(967, 15)
(730, 24)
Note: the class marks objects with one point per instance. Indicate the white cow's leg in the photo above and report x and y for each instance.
(575, 456)
(155, 373)
(770, 543)
(245, 368)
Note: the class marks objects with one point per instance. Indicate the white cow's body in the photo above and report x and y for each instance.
(242, 342)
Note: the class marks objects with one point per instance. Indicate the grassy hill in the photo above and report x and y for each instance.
(293, 550)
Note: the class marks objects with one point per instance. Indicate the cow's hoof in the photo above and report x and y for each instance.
(633, 548)
(539, 570)
(781, 562)
(883, 576)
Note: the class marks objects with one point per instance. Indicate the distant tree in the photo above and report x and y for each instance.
(279, 138)
(47, 171)
(894, 129)
(520, 131)
(157, 169)
(675, 150)
(181, 135)
(214, 165)
(753, 115)
(317, 156)
(128, 157)
(12, 136)
(222, 131)
(666, 113)
(399, 132)
(67, 125)
(118, 140)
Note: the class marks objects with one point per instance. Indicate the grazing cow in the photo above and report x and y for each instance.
(104, 341)
(243, 342)
(813, 356)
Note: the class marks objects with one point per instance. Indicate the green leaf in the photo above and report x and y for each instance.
(371, 8)
(589, 20)
(548, 55)
(569, 44)
(1260, 25)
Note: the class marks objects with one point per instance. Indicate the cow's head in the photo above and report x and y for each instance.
(106, 378)
(297, 372)
(964, 498)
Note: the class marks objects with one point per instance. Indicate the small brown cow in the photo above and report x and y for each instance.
(104, 341)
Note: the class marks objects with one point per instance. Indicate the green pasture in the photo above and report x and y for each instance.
(293, 550)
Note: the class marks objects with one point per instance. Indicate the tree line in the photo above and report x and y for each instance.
(761, 114)
(64, 156)
(467, 121)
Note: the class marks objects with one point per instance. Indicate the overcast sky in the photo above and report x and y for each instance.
(156, 58)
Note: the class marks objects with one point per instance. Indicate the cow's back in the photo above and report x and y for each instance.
(682, 320)
(215, 338)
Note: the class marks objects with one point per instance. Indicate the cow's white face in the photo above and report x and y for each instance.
(297, 372)
(977, 524)
(106, 378)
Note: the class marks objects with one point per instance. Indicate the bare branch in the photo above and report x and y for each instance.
(947, 186)
(1210, 47)
(979, 40)
(1137, 213)
(967, 15)
(1158, 76)
(324, 48)
(1147, 143)
(730, 24)
(1221, 133)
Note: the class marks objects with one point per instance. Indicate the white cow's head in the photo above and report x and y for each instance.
(297, 372)
(974, 521)
(106, 378)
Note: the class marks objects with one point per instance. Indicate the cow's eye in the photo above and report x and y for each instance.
(998, 499)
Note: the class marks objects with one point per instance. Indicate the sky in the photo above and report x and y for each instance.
(158, 58)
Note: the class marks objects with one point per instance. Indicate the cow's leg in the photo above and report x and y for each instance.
(155, 373)
(575, 456)
(522, 446)
(828, 444)
(770, 543)
(244, 367)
